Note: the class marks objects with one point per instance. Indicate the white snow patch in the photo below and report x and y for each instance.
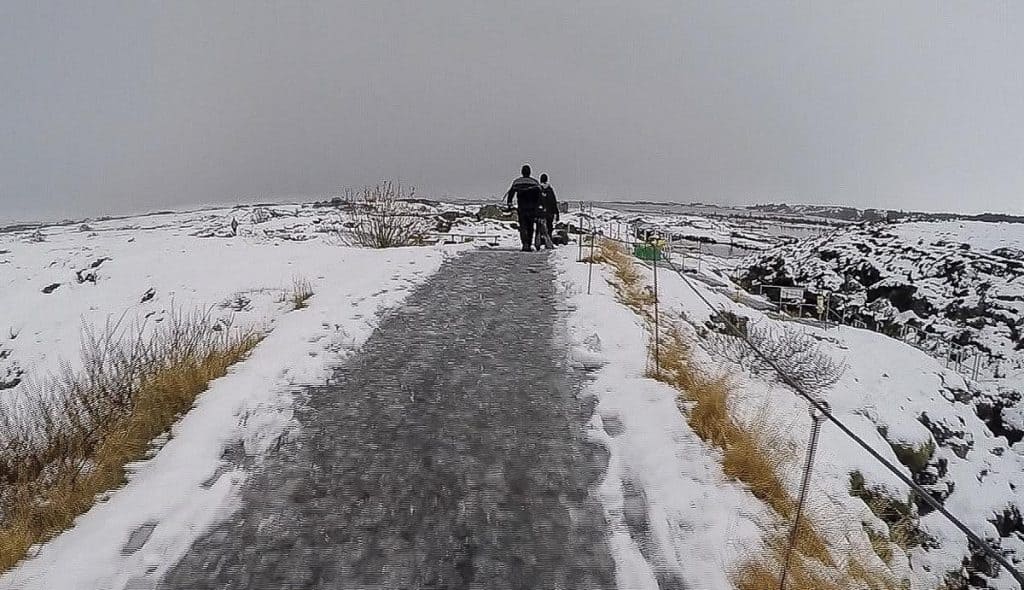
(187, 486)
(701, 523)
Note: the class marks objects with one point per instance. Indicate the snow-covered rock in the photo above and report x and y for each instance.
(941, 287)
(955, 289)
(56, 280)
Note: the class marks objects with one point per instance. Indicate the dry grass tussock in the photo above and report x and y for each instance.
(301, 291)
(72, 440)
(755, 452)
(805, 574)
(385, 220)
(629, 283)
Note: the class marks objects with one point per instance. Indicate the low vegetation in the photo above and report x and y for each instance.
(301, 291)
(383, 218)
(914, 457)
(793, 351)
(71, 436)
(899, 515)
(754, 452)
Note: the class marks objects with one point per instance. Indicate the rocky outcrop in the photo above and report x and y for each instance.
(496, 212)
(946, 289)
(90, 274)
(10, 371)
(936, 291)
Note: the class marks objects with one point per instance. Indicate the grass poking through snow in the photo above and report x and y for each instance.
(72, 440)
(302, 290)
(754, 452)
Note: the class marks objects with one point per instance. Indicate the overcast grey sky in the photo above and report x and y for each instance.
(117, 107)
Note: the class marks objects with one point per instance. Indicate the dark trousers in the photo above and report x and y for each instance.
(527, 218)
(542, 235)
(551, 229)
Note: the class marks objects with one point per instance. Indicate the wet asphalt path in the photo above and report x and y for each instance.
(448, 453)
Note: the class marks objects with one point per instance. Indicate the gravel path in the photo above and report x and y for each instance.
(448, 453)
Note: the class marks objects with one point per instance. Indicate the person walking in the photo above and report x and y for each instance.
(541, 234)
(549, 207)
(526, 191)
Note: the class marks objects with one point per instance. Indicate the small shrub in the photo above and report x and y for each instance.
(724, 322)
(797, 354)
(302, 290)
(383, 219)
(237, 302)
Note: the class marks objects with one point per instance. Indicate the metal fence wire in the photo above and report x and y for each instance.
(819, 410)
(966, 360)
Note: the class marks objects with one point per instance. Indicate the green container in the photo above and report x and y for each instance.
(647, 252)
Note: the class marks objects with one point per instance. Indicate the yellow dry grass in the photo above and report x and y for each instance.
(753, 452)
(80, 465)
(762, 573)
(870, 578)
(629, 284)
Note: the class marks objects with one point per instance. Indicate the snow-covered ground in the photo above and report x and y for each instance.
(674, 515)
(139, 269)
(953, 289)
(891, 394)
(940, 286)
(686, 229)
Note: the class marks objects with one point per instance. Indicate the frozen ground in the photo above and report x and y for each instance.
(949, 289)
(447, 453)
(891, 394)
(672, 513)
(149, 266)
(58, 279)
(673, 519)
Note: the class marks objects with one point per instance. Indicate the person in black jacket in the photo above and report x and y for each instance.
(526, 190)
(549, 208)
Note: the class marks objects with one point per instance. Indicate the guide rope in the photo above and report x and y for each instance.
(824, 411)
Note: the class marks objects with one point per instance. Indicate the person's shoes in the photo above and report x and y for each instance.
(527, 249)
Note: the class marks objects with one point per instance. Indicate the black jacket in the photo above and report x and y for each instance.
(527, 193)
(548, 202)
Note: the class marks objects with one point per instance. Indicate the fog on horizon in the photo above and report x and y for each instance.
(128, 107)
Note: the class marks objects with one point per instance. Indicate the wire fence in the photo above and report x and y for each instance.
(650, 249)
(969, 361)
